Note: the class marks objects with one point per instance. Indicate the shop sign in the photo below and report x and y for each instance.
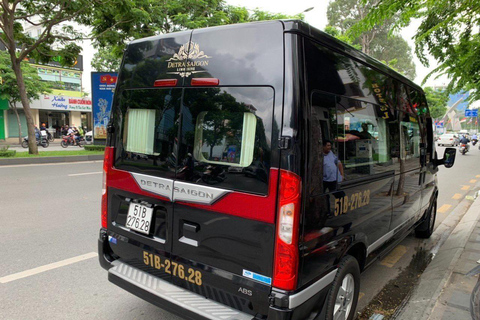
(62, 103)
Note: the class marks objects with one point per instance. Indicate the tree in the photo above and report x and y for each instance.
(55, 40)
(9, 88)
(105, 61)
(448, 32)
(125, 20)
(377, 41)
(437, 102)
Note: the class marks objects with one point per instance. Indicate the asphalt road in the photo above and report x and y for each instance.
(50, 217)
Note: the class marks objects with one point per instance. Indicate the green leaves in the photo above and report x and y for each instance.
(379, 41)
(448, 32)
(33, 83)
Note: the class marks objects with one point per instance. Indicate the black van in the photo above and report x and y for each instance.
(253, 171)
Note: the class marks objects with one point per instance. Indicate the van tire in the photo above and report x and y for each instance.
(425, 229)
(348, 273)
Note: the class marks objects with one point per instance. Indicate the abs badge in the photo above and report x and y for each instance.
(187, 60)
(256, 276)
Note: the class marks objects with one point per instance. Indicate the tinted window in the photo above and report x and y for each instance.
(226, 138)
(146, 123)
(365, 136)
(409, 131)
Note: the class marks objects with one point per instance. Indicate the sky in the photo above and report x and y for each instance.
(317, 17)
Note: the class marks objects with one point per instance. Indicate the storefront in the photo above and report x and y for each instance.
(55, 111)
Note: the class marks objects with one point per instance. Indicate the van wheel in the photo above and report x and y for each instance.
(343, 296)
(425, 229)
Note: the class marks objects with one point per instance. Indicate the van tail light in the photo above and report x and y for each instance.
(165, 83)
(285, 267)
(107, 166)
(205, 82)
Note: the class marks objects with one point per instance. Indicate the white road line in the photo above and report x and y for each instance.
(84, 174)
(51, 266)
(47, 164)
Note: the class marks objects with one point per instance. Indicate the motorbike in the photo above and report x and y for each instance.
(464, 148)
(474, 142)
(71, 141)
(43, 142)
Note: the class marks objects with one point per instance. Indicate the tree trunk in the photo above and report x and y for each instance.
(32, 144)
(14, 108)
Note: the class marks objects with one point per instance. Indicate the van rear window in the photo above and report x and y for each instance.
(214, 136)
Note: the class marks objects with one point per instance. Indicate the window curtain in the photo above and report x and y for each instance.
(141, 131)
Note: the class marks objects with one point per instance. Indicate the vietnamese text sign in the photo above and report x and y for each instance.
(471, 113)
(61, 103)
(103, 86)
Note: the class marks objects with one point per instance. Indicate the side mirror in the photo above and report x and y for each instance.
(448, 158)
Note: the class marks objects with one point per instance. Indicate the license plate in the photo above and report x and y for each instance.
(139, 218)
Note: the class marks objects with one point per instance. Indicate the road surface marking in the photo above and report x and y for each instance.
(47, 164)
(473, 181)
(84, 174)
(465, 187)
(394, 256)
(360, 295)
(477, 176)
(457, 196)
(51, 266)
(444, 208)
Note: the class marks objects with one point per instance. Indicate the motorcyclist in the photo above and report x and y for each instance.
(474, 139)
(464, 140)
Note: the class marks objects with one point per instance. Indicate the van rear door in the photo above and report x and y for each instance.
(225, 193)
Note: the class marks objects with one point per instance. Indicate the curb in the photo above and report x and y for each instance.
(60, 159)
(435, 277)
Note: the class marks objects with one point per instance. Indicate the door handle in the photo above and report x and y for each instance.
(189, 229)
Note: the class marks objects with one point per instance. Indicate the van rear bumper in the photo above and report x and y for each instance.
(178, 300)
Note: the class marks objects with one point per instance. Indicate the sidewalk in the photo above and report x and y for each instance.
(54, 146)
(444, 291)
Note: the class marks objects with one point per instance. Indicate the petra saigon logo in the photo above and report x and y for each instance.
(186, 61)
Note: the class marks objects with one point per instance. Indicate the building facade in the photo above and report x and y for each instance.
(65, 105)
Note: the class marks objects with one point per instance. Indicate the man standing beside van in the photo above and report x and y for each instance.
(332, 168)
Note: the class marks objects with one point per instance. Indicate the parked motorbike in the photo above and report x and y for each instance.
(71, 141)
(464, 148)
(43, 142)
(50, 137)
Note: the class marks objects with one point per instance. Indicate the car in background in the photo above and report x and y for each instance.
(448, 140)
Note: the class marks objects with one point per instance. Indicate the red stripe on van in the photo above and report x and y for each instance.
(123, 180)
(249, 206)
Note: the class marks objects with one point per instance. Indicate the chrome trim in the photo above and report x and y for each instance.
(179, 191)
(300, 297)
(183, 298)
(189, 241)
(196, 193)
(386, 237)
(160, 186)
(379, 242)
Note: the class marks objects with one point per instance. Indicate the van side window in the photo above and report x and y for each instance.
(409, 132)
(364, 138)
(322, 129)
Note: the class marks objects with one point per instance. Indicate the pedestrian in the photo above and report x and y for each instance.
(332, 168)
